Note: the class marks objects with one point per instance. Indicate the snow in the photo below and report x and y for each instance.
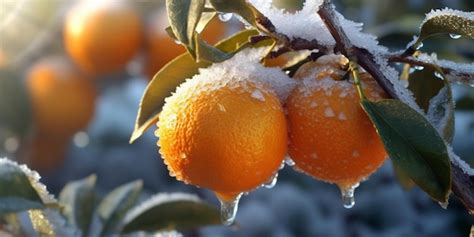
(244, 67)
(34, 178)
(257, 94)
(448, 11)
(437, 115)
(459, 162)
(307, 24)
(342, 116)
(457, 68)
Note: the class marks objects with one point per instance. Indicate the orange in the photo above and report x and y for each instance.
(227, 135)
(331, 137)
(46, 153)
(63, 101)
(161, 48)
(102, 36)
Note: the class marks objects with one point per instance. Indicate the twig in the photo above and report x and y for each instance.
(462, 184)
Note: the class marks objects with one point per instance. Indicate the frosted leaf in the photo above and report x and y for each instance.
(60, 227)
(440, 110)
(34, 178)
(157, 200)
(448, 11)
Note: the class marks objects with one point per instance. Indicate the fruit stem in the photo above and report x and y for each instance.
(354, 68)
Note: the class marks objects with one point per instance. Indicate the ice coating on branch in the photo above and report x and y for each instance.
(157, 200)
(34, 178)
(404, 94)
(459, 162)
(448, 11)
(459, 71)
(307, 24)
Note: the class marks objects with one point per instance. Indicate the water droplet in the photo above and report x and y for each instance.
(419, 46)
(418, 67)
(229, 209)
(289, 161)
(438, 75)
(282, 165)
(11, 144)
(347, 194)
(412, 70)
(444, 205)
(177, 42)
(454, 36)
(224, 17)
(271, 182)
(81, 139)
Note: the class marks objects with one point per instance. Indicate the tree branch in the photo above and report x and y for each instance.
(462, 183)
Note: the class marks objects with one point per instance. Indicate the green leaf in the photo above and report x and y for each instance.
(115, 205)
(435, 97)
(413, 144)
(402, 177)
(78, 200)
(173, 74)
(441, 113)
(41, 224)
(184, 16)
(207, 53)
(447, 22)
(176, 211)
(16, 191)
(15, 108)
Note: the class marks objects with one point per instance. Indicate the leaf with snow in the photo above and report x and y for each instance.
(49, 222)
(20, 189)
(413, 144)
(174, 210)
(447, 21)
(114, 206)
(78, 201)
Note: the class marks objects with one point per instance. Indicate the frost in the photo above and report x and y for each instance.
(439, 110)
(172, 233)
(342, 116)
(307, 24)
(459, 162)
(448, 11)
(241, 68)
(328, 112)
(401, 91)
(355, 153)
(157, 200)
(257, 94)
(34, 178)
(59, 224)
(456, 68)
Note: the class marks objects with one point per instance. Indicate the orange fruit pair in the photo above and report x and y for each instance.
(230, 135)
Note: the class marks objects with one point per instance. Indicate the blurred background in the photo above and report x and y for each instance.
(69, 94)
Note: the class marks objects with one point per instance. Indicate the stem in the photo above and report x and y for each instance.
(355, 74)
